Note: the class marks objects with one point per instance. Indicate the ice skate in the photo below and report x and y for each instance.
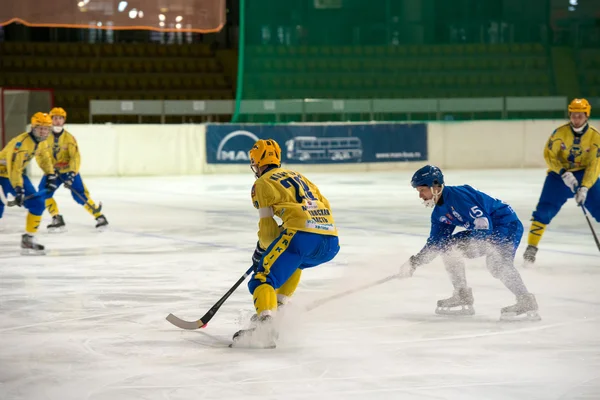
(30, 247)
(57, 225)
(529, 256)
(102, 223)
(525, 309)
(260, 336)
(462, 298)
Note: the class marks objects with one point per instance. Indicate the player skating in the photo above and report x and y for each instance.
(66, 159)
(573, 157)
(14, 158)
(307, 238)
(492, 229)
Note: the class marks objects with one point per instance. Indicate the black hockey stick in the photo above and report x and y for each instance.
(93, 209)
(587, 218)
(12, 203)
(201, 323)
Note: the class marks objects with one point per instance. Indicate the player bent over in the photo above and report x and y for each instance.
(67, 160)
(573, 157)
(492, 230)
(14, 158)
(307, 238)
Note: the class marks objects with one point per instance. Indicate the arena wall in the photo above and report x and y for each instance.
(147, 150)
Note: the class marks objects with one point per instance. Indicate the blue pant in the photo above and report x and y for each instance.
(290, 251)
(77, 186)
(555, 193)
(35, 205)
(498, 246)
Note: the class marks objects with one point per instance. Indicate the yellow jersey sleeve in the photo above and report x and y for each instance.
(592, 169)
(74, 156)
(263, 199)
(555, 144)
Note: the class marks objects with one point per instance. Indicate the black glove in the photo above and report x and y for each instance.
(51, 182)
(19, 196)
(257, 256)
(69, 176)
(408, 268)
(415, 261)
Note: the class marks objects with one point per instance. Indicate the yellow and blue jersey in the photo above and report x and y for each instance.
(64, 152)
(297, 201)
(567, 150)
(17, 154)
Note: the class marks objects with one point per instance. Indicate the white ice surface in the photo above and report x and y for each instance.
(87, 320)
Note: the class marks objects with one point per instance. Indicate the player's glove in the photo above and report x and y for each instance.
(570, 180)
(581, 195)
(68, 179)
(408, 268)
(19, 196)
(51, 182)
(257, 256)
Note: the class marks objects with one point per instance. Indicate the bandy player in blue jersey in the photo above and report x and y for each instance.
(492, 229)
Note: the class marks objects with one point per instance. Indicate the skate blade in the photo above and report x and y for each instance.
(528, 316)
(237, 344)
(102, 228)
(528, 264)
(260, 338)
(57, 230)
(250, 341)
(465, 310)
(31, 252)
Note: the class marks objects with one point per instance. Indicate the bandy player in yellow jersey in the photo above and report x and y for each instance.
(573, 157)
(14, 158)
(66, 160)
(307, 238)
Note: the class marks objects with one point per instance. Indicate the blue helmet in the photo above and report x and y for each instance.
(429, 175)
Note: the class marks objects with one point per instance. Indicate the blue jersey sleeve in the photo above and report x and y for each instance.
(439, 236)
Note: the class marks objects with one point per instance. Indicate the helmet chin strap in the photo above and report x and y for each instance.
(436, 196)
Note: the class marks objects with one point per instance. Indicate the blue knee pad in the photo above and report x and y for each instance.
(35, 205)
(545, 212)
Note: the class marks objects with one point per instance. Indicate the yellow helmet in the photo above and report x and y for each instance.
(58, 112)
(580, 105)
(41, 119)
(264, 152)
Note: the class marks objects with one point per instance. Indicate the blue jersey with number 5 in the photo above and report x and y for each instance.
(469, 208)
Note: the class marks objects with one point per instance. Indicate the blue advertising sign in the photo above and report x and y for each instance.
(320, 143)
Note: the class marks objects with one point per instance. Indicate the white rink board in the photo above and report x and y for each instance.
(167, 150)
(87, 320)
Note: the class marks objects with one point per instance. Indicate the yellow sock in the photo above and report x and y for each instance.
(32, 223)
(535, 233)
(52, 207)
(89, 209)
(289, 287)
(265, 298)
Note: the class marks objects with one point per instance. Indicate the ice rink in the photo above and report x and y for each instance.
(87, 321)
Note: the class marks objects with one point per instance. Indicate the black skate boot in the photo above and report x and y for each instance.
(526, 304)
(529, 256)
(57, 225)
(261, 336)
(30, 247)
(462, 298)
(102, 223)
